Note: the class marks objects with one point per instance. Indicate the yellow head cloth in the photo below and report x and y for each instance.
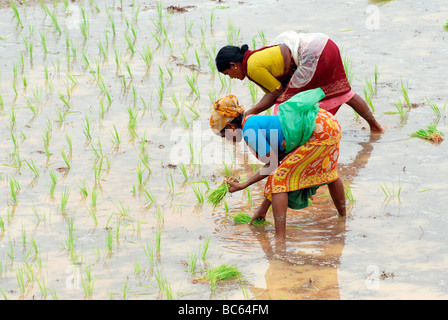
(225, 110)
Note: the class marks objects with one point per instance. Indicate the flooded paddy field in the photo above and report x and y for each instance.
(107, 156)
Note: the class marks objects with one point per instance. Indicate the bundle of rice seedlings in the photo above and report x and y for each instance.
(217, 195)
(430, 133)
(221, 272)
(242, 217)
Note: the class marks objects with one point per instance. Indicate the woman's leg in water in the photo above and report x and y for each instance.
(360, 106)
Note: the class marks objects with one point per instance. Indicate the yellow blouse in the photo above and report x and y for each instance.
(264, 65)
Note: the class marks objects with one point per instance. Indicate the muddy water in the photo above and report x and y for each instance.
(390, 246)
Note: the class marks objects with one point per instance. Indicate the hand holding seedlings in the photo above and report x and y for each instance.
(217, 195)
(235, 186)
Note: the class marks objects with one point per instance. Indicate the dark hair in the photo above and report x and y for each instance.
(238, 121)
(229, 54)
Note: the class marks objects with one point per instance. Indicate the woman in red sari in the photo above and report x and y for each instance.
(296, 62)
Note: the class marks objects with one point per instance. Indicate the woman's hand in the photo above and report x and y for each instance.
(235, 186)
(260, 214)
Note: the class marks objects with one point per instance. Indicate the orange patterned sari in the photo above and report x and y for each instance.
(313, 163)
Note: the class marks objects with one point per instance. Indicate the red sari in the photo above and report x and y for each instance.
(329, 75)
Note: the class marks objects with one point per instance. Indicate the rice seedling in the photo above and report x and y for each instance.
(435, 108)
(192, 260)
(253, 89)
(404, 93)
(70, 238)
(400, 110)
(368, 99)
(198, 60)
(245, 292)
(88, 283)
(169, 70)
(98, 151)
(233, 33)
(390, 192)
(446, 26)
(212, 17)
(53, 16)
(197, 191)
(183, 120)
(149, 253)
(376, 75)
(64, 200)
(262, 37)
(36, 213)
(132, 123)
(14, 188)
(144, 157)
(92, 214)
(161, 91)
(11, 251)
(5, 297)
(163, 284)
(130, 43)
(20, 280)
(203, 250)
(104, 89)
(348, 65)
(66, 159)
(226, 169)
(158, 241)
(42, 286)
(183, 170)
(128, 69)
(23, 236)
(147, 55)
(86, 129)
(430, 133)
(248, 192)
(193, 83)
(94, 196)
(242, 217)
(109, 240)
(16, 12)
(348, 192)
(83, 188)
(140, 172)
(170, 182)
(115, 137)
(387, 192)
(124, 212)
(369, 86)
(84, 25)
(54, 181)
(15, 142)
(61, 115)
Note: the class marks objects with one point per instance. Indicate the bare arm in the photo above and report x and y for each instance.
(265, 103)
(272, 162)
